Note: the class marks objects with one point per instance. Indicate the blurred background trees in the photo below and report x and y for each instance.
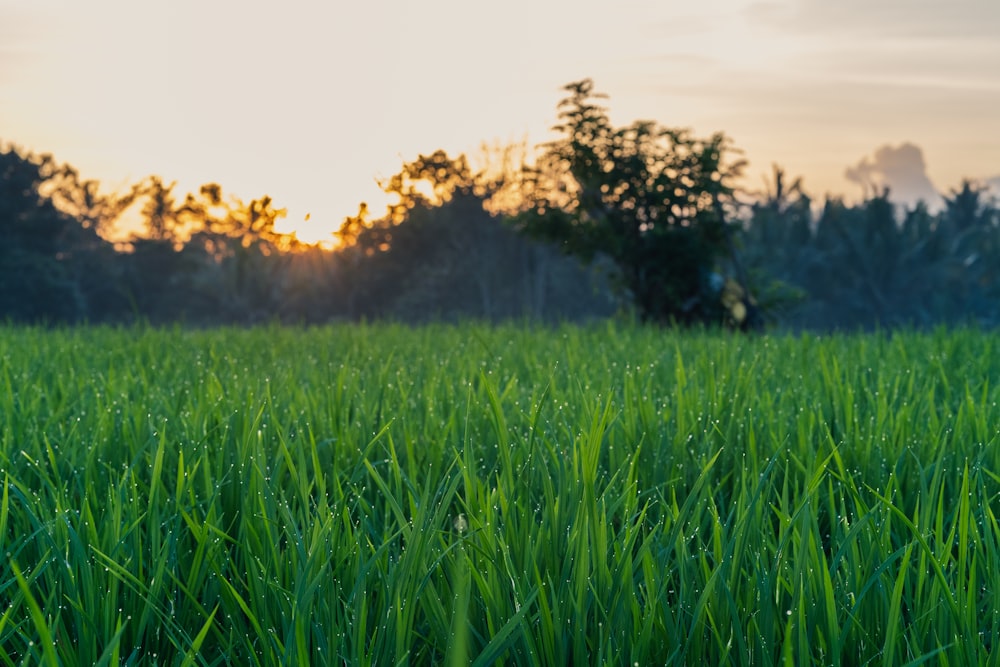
(442, 251)
(875, 264)
(53, 264)
(653, 200)
(639, 220)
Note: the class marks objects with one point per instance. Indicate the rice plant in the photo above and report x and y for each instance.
(472, 495)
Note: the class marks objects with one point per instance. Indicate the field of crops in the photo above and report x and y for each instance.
(380, 495)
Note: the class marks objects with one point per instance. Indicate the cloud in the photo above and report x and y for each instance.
(993, 186)
(902, 170)
(945, 45)
(898, 18)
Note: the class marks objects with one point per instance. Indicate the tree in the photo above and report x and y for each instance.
(876, 264)
(255, 265)
(160, 212)
(776, 244)
(44, 249)
(441, 251)
(89, 257)
(436, 253)
(85, 201)
(651, 198)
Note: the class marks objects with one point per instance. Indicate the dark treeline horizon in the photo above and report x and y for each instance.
(455, 246)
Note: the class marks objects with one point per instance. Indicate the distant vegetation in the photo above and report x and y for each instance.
(641, 221)
(381, 495)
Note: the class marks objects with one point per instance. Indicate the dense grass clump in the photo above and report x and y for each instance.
(380, 495)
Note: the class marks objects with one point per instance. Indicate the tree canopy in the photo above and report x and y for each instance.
(653, 199)
(650, 210)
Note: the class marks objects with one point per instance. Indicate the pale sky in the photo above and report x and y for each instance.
(311, 102)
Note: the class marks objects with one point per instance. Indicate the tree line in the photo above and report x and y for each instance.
(640, 221)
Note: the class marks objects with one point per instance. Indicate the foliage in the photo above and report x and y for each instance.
(874, 264)
(50, 263)
(653, 199)
(373, 495)
(441, 252)
(645, 209)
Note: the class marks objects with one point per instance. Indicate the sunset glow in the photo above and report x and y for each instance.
(312, 103)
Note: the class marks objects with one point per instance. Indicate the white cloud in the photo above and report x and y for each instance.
(902, 169)
(993, 187)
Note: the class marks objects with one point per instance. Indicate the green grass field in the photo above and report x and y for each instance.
(380, 495)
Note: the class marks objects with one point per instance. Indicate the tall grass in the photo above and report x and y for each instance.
(380, 495)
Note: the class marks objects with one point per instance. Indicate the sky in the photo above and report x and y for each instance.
(313, 102)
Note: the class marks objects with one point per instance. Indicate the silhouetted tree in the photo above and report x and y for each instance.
(90, 258)
(208, 259)
(971, 222)
(776, 245)
(655, 204)
(441, 253)
(160, 212)
(653, 199)
(45, 250)
(875, 264)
